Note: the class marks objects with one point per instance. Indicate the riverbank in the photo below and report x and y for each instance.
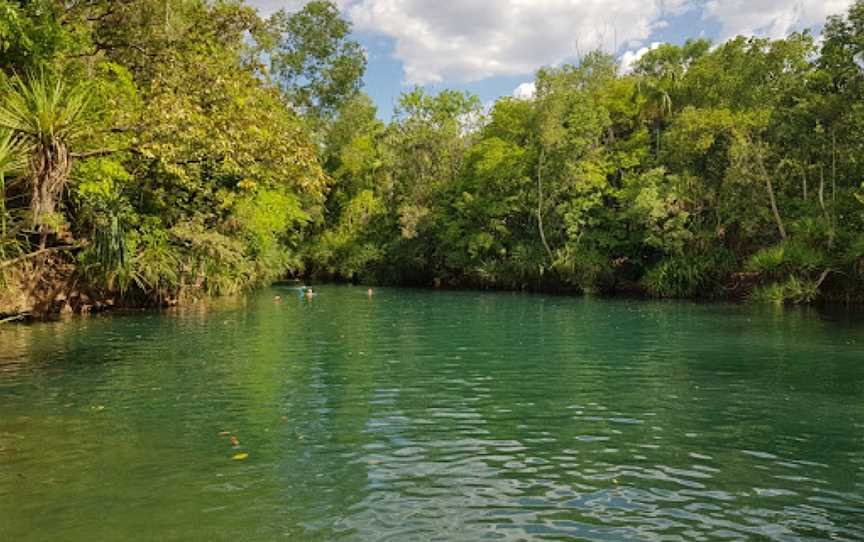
(61, 294)
(52, 286)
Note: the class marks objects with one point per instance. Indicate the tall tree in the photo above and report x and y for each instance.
(315, 60)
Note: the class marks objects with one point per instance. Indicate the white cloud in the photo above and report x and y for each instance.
(770, 18)
(470, 40)
(678, 7)
(525, 91)
(269, 7)
(630, 58)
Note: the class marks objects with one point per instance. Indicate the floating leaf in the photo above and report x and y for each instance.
(240, 457)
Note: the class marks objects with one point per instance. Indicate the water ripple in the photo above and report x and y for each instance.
(433, 416)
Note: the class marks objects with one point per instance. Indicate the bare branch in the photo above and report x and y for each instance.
(25, 257)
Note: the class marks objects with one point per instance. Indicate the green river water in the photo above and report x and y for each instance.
(429, 415)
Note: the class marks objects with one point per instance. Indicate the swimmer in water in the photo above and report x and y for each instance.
(370, 292)
(309, 293)
(277, 299)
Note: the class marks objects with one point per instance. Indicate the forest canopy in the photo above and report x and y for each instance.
(155, 151)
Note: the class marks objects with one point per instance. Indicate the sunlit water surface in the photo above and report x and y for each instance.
(421, 415)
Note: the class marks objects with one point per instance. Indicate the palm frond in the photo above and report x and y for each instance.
(41, 109)
(12, 153)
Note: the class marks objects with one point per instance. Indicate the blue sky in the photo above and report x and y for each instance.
(491, 47)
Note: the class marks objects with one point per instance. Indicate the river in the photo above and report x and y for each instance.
(421, 415)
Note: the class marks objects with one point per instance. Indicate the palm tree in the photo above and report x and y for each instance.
(47, 116)
(660, 75)
(11, 162)
(658, 104)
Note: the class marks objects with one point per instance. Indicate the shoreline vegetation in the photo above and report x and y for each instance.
(154, 152)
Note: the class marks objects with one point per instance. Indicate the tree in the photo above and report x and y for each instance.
(317, 64)
(49, 116)
(573, 167)
(660, 73)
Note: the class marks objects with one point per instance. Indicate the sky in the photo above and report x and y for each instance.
(492, 48)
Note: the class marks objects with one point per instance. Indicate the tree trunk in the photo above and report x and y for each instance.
(51, 165)
(774, 208)
(804, 178)
(822, 204)
(770, 186)
(833, 181)
(540, 203)
(822, 190)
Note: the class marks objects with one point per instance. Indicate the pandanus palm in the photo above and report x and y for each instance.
(47, 116)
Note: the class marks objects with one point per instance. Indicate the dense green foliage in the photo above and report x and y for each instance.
(730, 171)
(147, 154)
(152, 150)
